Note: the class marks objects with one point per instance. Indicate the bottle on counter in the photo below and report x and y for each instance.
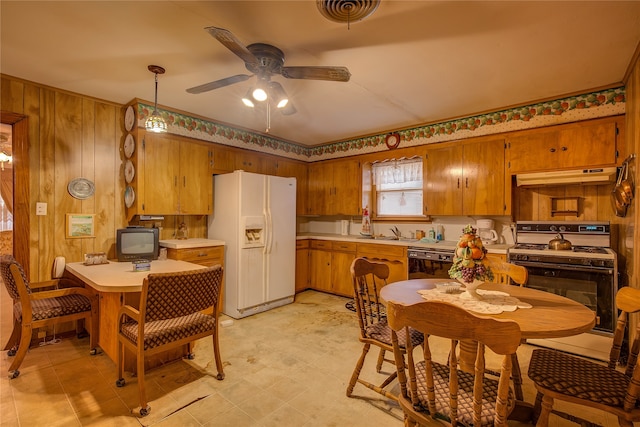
(432, 234)
(440, 233)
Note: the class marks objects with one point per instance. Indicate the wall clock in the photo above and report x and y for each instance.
(392, 140)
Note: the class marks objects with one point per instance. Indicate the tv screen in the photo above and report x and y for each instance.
(137, 243)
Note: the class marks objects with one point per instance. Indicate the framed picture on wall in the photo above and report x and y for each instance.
(80, 226)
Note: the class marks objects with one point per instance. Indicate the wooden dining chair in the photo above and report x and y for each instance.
(40, 304)
(560, 376)
(176, 309)
(368, 277)
(507, 274)
(433, 389)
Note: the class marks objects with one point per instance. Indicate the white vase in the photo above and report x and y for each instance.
(471, 288)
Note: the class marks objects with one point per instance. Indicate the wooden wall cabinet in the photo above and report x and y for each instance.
(173, 177)
(302, 265)
(466, 178)
(334, 188)
(570, 146)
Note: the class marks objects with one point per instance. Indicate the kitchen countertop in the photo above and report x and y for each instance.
(445, 244)
(190, 243)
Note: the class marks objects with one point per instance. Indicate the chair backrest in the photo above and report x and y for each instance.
(6, 262)
(505, 272)
(171, 295)
(368, 277)
(628, 301)
(440, 319)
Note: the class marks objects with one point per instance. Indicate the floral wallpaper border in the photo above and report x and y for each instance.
(603, 103)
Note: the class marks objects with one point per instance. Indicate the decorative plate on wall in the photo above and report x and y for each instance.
(129, 146)
(129, 118)
(81, 188)
(129, 196)
(129, 171)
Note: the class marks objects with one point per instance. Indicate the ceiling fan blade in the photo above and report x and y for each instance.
(233, 44)
(219, 83)
(335, 74)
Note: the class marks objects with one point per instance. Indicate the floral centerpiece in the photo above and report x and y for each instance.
(469, 266)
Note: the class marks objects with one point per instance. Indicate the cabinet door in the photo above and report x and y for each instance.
(223, 160)
(532, 151)
(320, 183)
(587, 144)
(320, 269)
(341, 282)
(161, 175)
(347, 178)
(444, 181)
(394, 256)
(196, 182)
(483, 173)
(302, 265)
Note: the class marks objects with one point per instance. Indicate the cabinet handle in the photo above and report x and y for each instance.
(202, 254)
(552, 150)
(175, 181)
(184, 181)
(466, 182)
(458, 182)
(564, 148)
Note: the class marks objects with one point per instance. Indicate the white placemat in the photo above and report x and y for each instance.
(492, 302)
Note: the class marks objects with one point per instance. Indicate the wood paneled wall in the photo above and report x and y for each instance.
(68, 136)
(633, 141)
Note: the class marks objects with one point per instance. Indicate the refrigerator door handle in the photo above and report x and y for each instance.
(269, 231)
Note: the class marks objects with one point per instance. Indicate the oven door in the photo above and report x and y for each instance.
(592, 286)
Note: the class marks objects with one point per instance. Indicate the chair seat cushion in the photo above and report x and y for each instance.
(48, 308)
(162, 332)
(465, 394)
(382, 332)
(578, 377)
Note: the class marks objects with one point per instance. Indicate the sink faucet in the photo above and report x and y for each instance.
(396, 232)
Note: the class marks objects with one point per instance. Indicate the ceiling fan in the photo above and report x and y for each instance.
(264, 61)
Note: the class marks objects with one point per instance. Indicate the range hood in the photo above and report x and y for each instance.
(594, 176)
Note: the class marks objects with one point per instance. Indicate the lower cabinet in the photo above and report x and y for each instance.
(394, 256)
(302, 265)
(342, 255)
(320, 265)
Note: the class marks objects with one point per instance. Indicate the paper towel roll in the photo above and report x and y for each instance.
(344, 227)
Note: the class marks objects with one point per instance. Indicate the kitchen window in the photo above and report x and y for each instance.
(397, 190)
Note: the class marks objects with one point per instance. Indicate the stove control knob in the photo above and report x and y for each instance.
(563, 228)
(553, 228)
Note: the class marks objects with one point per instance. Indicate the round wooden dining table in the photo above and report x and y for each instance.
(550, 315)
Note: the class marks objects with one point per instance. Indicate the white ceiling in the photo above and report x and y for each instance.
(412, 62)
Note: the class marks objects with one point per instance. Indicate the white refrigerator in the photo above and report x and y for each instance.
(255, 215)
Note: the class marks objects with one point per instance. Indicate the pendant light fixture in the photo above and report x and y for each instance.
(155, 123)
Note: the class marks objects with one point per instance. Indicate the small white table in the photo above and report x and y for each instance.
(116, 284)
(120, 277)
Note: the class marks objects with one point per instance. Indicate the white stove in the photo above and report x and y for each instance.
(586, 273)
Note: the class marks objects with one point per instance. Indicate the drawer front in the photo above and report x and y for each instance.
(343, 246)
(203, 255)
(302, 244)
(321, 244)
(388, 250)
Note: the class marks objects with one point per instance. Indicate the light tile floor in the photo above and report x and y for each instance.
(286, 367)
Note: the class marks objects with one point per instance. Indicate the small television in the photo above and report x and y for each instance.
(137, 243)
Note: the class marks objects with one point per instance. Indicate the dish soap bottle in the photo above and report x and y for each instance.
(440, 233)
(432, 234)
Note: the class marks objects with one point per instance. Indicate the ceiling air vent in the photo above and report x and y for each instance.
(347, 11)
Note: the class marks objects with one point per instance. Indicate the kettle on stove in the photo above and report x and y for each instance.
(486, 231)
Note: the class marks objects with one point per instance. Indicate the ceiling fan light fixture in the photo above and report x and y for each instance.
(278, 94)
(155, 122)
(259, 94)
(246, 100)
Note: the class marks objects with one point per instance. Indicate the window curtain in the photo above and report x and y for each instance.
(397, 171)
